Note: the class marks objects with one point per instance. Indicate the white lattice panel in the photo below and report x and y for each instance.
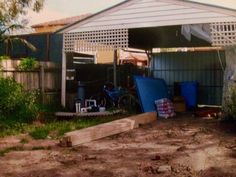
(223, 34)
(96, 40)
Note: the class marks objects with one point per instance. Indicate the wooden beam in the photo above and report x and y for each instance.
(108, 129)
(97, 132)
(144, 118)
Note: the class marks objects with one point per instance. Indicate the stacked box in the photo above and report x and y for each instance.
(165, 108)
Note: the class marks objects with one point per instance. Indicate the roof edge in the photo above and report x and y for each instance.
(62, 30)
(211, 5)
(100, 12)
(62, 21)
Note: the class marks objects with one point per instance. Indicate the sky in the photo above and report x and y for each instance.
(56, 9)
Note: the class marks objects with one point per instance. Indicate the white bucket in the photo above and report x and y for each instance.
(102, 109)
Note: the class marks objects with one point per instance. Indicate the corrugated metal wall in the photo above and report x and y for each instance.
(203, 67)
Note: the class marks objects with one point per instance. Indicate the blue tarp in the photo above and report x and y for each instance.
(149, 90)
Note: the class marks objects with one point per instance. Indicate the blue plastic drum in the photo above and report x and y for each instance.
(189, 92)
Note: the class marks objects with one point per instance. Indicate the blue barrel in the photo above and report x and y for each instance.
(189, 92)
(81, 93)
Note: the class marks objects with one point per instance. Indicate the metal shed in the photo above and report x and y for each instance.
(147, 24)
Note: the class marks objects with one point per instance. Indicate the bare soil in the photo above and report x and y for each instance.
(184, 146)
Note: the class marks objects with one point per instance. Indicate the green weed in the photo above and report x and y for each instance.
(39, 133)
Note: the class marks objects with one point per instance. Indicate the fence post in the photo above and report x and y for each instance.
(42, 82)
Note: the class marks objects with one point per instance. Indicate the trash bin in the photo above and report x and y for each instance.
(189, 92)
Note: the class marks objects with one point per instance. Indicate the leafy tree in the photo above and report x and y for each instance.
(10, 11)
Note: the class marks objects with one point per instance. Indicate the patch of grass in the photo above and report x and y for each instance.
(64, 128)
(51, 128)
(10, 149)
(10, 127)
(40, 133)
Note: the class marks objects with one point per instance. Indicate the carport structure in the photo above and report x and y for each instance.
(148, 24)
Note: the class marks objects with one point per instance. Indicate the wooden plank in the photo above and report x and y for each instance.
(144, 118)
(87, 114)
(104, 130)
(99, 131)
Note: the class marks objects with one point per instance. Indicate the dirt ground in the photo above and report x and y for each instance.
(178, 147)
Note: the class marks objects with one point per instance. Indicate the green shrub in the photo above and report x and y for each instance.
(30, 107)
(28, 64)
(11, 96)
(4, 57)
(15, 103)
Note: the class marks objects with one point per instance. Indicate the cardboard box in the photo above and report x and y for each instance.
(179, 104)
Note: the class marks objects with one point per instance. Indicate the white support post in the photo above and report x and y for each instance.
(63, 80)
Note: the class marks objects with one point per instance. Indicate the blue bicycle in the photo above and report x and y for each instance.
(117, 97)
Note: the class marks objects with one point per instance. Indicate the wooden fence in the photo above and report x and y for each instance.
(47, 78)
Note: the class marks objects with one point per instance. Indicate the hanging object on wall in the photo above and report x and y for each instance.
(201, 31)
